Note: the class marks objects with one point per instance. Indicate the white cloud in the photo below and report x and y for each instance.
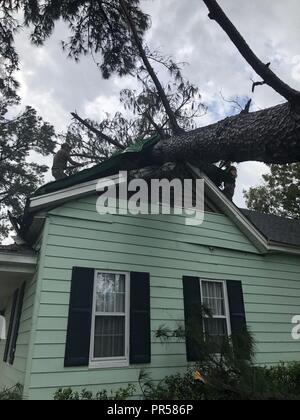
(296, 67)
(249, 175)
(102, 107)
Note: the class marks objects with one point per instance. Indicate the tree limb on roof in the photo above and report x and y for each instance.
(98, 132)
(271, 135)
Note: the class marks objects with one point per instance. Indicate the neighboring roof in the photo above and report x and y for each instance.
(275, 228)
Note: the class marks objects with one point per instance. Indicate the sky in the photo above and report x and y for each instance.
(56, 86)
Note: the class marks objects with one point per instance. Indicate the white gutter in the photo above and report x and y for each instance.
(14, 262)
(68, 194)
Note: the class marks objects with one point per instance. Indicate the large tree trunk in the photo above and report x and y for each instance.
(271, 136)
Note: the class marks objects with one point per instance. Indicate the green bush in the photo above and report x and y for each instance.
(69, 395)
(255, 383)
(14, 393)
(220, 382)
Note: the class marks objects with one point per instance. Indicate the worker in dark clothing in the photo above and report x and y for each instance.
(60, 162)
(229, 186)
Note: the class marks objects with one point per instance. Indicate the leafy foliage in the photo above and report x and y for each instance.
(258, 383)
(21, 137)
(95, 27)
(9, 394)
(226, 370)
(280, 194)
(70, 395)
(144, 114)
(8, 56)
(19, 177)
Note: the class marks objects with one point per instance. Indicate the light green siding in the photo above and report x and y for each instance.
(11, 375)
(168, 249)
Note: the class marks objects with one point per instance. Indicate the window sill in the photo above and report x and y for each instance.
(102, 364)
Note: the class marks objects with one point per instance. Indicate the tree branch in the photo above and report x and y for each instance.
(175, 127)
(97, 132)
(262, 69)
(247, 107)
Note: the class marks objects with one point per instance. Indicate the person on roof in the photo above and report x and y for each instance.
(229, 186)
(60, 162)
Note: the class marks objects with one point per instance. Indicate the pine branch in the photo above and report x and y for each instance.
(98, 132)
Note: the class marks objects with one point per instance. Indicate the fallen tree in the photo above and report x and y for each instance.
(271, 135)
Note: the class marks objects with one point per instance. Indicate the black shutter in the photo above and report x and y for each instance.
(80, 317)
(192, 314)
(11, 324)
(239, 331)
(140, 332)
(17, 324)
(236, 307)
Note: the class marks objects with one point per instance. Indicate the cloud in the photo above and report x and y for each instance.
(296, 67)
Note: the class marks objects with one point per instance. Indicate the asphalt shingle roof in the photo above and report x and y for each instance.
(275, 228)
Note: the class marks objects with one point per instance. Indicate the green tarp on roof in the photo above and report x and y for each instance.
(125, 160)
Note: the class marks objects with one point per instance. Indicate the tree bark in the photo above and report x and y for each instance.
(271, 136)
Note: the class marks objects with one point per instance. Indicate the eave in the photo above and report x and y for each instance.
(15, 268)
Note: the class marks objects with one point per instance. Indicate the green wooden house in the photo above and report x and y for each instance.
(63, 330)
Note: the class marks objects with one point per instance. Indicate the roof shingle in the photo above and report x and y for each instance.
(275, 228)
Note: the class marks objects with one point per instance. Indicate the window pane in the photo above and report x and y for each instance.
(216, 329)
(213, 297)
(110, 292)
(109, 336)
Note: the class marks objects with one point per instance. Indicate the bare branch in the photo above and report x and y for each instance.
(254, 84)
(232, 101)
(97, 132)
(262, 69)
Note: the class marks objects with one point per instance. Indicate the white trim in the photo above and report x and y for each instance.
(227, 308)
(226, 302)
(10, 258)
(285, 249)
(96, 363)
(17, 263)
(67, 194)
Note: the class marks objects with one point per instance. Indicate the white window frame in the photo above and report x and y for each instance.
(105, 362)
(226, 303)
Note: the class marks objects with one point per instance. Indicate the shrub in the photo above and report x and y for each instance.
(84, 395)
(14, 393)
(206, 383)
